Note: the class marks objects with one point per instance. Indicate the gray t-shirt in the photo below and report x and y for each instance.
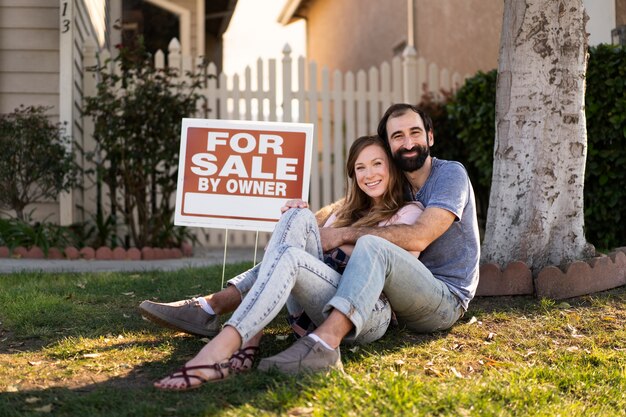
(453, 257)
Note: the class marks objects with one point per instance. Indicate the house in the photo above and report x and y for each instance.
(460, 35)
(41, 47)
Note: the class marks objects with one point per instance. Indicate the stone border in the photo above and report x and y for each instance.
(102, 253)
(575, 279)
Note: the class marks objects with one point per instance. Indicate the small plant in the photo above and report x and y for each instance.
(14, 233)
(35, 159)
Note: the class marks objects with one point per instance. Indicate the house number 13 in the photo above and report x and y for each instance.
(65, 23)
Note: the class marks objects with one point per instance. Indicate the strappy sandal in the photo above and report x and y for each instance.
(183, 373)
(248, 353)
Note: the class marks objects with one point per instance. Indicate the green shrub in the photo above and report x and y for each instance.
(35, 159)
(471, 114)
(137, 135)
(605, 173)
(14, 232)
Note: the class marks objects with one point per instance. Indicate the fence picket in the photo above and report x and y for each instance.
(247, 94)
(287, 88)
(350, 109)
(159, 60)
(259, 93)
(361, 103)
(211, 95)
(302, 92)
(222, 97)
(385, 86)
(316, 199)
(374, 101)
(326, 142)
(338, 159)
(396, 80)
(271, 93)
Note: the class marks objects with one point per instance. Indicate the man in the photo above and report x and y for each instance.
(427, 295)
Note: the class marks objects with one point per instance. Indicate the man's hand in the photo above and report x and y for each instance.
(295, 203)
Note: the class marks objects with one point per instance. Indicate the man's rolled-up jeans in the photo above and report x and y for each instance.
(421, 302)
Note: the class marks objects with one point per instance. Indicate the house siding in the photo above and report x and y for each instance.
(350, 35)
(358, 34)
(463, 36)
(29, 54)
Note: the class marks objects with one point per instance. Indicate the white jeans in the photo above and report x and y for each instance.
(293, 266)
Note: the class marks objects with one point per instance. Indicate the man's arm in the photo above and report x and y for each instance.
(431, 224)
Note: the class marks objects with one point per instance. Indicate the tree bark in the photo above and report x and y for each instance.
(536, 202)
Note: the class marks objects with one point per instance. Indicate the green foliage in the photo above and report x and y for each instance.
(605, 173)
(473, 114)
(467, 121)
(14, 232)
(137, 134)
(35, 159)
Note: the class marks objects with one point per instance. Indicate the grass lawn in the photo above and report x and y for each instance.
(74, 345)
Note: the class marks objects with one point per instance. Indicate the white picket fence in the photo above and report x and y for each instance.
(342, 107)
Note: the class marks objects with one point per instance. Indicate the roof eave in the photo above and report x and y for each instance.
(289, 11)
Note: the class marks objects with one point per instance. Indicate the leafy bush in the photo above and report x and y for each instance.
(605, 173)
(137, 135)
(14, 232)
(471, 114)
(35, 159)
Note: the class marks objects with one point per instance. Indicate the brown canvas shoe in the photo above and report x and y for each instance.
(185, 316)
(304, 355)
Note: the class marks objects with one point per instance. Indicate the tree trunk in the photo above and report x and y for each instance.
(536, 203)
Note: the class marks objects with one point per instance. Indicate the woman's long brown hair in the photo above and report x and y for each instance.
(358, 208)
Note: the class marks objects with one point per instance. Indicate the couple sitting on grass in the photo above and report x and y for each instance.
(404, 241)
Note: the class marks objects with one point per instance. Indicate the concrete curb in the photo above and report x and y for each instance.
(202, 258)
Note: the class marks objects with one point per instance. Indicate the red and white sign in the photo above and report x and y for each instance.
(236, 174)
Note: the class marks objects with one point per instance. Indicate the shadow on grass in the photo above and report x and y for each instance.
(133, 395)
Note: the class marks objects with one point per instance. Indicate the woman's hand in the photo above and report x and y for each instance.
(295, 203)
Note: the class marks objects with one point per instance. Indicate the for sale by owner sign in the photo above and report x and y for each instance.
(236, 174)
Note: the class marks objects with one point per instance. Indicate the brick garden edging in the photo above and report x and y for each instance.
(102, 253)
(577, 278)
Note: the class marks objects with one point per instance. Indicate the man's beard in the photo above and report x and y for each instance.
(413, 163)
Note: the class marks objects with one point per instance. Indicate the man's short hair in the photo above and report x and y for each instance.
(399, 109)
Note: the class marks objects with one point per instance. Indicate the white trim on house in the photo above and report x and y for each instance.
(66, 90)
(200, 23)
(288, 11)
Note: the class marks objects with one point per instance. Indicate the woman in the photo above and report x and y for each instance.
(295, 268)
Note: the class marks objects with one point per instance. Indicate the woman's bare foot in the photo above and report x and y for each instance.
(210, 364)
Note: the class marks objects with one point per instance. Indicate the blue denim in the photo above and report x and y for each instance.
(293, 269)
(421, 302)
